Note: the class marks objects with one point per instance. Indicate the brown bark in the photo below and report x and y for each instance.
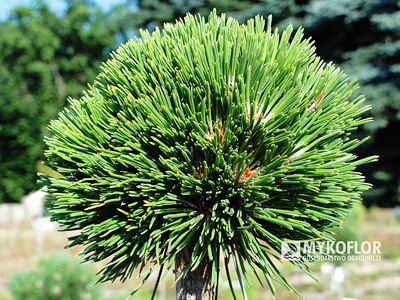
(57, 78)
(196, 284)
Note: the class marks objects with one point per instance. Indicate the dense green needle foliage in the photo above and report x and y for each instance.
(224, 137)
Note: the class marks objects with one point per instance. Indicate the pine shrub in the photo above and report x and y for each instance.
(214, 138)
(57, 277)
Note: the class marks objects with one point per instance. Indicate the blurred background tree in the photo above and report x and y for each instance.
(43, 59)
(39, 68)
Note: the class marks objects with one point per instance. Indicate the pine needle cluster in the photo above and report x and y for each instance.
(224, 137)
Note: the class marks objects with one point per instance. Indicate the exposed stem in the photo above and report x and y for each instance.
(196, 284)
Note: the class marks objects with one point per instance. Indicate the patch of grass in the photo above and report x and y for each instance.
(390, 252)
(5, 295)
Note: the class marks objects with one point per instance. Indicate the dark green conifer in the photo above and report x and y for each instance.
(207, 140)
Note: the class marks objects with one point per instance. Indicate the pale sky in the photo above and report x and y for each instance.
(55, 5)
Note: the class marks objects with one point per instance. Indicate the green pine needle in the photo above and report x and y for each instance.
(229, 138)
